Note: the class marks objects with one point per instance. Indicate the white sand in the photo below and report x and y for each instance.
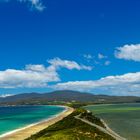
(23, 133)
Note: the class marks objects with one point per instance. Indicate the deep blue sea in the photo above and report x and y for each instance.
(12, 118)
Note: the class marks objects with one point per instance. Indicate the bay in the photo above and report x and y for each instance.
(16, 117)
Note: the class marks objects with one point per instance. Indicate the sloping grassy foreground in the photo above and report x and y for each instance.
(72, 129)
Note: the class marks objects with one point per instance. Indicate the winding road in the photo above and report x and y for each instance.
(104, 130)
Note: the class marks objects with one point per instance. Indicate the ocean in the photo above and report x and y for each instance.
(16, 117)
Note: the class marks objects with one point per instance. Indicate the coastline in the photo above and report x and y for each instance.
(111, 131)
(27, 131)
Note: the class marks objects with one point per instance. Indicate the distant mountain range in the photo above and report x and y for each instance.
(64, 96)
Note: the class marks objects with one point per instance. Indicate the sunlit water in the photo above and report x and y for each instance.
(16, 117)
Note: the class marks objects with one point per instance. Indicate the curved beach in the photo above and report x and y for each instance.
(23, 133)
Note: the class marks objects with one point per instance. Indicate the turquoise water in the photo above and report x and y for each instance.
(12, 118)
(122, 118)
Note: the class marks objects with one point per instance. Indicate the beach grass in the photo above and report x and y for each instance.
(71, 128)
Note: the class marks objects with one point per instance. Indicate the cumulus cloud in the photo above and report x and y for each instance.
(121, 84)
(34, 4)
(33, 76)
(35, 67)
(12, 78)
(88, 56)
(101, 56)
(128, 52)
(107, 63)
(58, 63)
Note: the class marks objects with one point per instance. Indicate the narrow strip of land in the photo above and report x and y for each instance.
(107, 130)
(28, 131)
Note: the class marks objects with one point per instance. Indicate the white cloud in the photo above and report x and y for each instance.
(34, 4)
(35, 67)
(6, 95)
(88, 56)
(33, 76)
(58, 63)
(128, 52)
(101, 56)
(107, 63)
(12, 78)
(127, 84)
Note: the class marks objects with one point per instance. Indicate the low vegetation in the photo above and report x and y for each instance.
(127, 114)
(71, 128)
(65, 97)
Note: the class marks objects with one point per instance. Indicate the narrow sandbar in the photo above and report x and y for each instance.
(23, 133)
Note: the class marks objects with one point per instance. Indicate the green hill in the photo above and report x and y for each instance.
(71, 128)
(64, 97)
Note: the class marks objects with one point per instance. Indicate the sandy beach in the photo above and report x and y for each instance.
(23, 133)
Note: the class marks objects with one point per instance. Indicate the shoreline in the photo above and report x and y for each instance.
(111, 131)
(27, 131)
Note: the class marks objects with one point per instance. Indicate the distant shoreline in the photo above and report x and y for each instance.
(25, 132)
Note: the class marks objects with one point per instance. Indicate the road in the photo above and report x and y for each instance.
(107, 131)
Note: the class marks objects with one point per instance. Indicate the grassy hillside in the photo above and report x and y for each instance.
(72, 129)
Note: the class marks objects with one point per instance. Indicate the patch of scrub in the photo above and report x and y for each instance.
(122, 118)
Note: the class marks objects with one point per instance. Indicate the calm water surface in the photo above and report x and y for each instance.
(122, 118)
(16, 117)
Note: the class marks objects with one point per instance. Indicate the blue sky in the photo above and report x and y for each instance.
(81, 45)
